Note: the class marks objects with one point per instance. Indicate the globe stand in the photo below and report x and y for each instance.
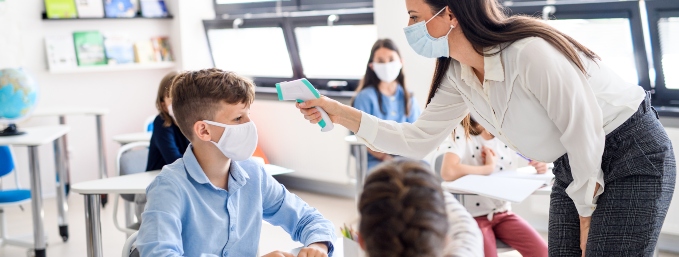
(11, 130)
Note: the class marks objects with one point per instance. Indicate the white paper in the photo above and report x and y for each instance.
(90, 8)
(60, 52)
(500, 188)
(527, 172)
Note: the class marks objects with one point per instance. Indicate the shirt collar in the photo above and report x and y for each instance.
(491, 64)
(237, 176)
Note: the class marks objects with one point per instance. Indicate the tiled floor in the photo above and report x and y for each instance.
(337, 210)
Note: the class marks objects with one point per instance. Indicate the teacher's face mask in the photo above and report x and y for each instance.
(423, 43)
(238, 142)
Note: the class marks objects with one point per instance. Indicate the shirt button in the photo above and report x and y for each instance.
(233, 228)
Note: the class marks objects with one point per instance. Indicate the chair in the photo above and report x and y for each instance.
(128, 247)
(9, 198)
(501, 247)
(148, 124)
(132, 159)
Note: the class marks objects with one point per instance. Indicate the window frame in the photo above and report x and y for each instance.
(666, 99)
(288, 25)
(598, 10)
(307, 5)
(263, 7)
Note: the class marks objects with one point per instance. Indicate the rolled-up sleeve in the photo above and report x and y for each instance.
(564, 91)
(418, 139)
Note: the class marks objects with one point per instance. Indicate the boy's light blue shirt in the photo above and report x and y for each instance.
(187, 216)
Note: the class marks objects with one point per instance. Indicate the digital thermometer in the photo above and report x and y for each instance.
(301, 90)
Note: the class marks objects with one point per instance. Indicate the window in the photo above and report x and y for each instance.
(663, 19)
(255, 52)
(611, 39)
(320, 61)
(611, 29)
(275, 49)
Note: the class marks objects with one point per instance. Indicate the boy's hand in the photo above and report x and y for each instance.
(541, 167)
(314, 250)
(278, 254)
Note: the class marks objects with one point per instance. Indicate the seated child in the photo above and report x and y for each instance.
(404, 212)
(473, 150)
(167, 141)
(213, 199)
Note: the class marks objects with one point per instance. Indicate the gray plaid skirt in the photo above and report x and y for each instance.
(639, 176)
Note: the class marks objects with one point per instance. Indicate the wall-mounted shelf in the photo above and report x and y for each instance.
(138, 16)
(115, 67)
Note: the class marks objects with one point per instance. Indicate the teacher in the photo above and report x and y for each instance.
(550, 98)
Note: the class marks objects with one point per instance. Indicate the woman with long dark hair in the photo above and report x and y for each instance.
(549, 97)
(383, 92)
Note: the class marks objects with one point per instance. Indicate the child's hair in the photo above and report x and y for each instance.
(370, 78)
(164, 91)
(403, 211)
(471, 127)
(196, 95)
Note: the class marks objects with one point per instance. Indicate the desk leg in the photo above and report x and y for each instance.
(361, 167)
(36, 203)
(62, 204)
(102, 154)
(67, 165)
(93, 226)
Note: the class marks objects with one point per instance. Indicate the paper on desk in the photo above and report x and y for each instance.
(500, 188)
(527, 172)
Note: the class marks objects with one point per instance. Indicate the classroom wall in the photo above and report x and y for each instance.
(129, 95)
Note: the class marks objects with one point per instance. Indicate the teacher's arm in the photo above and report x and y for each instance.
(564, 91)
(414, 140)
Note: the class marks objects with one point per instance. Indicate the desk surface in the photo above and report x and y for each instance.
(36, 136)
(137, 183)
(133, 137)
(41, 112)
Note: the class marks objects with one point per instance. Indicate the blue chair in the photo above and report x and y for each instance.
(148, 123)
(10, 198)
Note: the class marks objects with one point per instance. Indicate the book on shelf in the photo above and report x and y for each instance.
(161, 49)
(89, 48)
(60, 9)
(90, 8)
(60, 52)
(120, 8)
(119, 49)
(144, 52)
(153, 8)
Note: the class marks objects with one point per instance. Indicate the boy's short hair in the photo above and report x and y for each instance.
(196, 95)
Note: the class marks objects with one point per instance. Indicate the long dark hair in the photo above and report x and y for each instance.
(484, 24)
(370, 78)
(403, 211)
(164, 91)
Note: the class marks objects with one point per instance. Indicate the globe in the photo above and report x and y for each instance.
(18, 96)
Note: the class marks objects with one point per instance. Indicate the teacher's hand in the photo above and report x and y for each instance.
(339, 113)
(584, 226)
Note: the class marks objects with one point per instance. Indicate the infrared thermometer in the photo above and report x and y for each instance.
(301, 90)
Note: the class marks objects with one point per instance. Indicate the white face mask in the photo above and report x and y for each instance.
(238, 142)
(423, 43)
(387, 72)
(169, 111)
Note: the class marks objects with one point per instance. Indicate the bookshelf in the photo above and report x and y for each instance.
(136, 17)
(115, 67)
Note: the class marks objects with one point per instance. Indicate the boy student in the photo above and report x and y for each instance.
(212, 200)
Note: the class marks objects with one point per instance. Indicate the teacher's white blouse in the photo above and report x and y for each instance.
(535, 100)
